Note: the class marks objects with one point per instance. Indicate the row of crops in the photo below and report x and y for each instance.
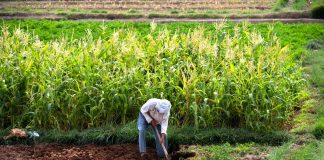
(144, 5)
(223, 79)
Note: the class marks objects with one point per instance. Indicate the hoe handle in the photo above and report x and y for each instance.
(164, 149)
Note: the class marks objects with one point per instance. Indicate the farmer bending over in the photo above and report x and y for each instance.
(155, 112)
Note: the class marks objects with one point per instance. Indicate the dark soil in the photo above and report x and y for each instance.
(287, 17)
(72, 152)
(53, 151)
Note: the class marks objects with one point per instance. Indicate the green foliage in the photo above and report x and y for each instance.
(299, 4)
(320, 149)
(319, 128)
(317, 2)
(306, 147)
(132, 11)
(315, 44)
(75, 10)
(311, 151)
(107, 135)
(225, 151)
(295, 35)
(317, 76)
(190, 11)
(280, 4)
(188, 15)
(235, 78)
(318, 11)
(280, 151)
(98, 11)
(295, 4)
(316, 59)
(174, 12)
(190, 135)
(221, 152)
(303, 120)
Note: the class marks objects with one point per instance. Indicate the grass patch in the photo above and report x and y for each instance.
(102, 16)
(75, 10)
(295, 5)
(280, 152)
(228, 151)
(174, 12)
(301, 145)
(310, 151)
(131, 11)
(305, 117)
(319, 125)
(280, 4)
(319, 128)
(316, 59)
(299, 4)
(316, 2)
(190, 11)
(98, 11)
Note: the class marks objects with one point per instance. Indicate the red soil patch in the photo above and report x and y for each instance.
(72, 152)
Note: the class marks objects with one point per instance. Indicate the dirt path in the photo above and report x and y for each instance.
(169, 20)
(72, 152)
(160, 20)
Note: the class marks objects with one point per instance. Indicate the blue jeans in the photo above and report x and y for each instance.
(142, 126)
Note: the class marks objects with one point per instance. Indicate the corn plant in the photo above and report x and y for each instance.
(231, 77)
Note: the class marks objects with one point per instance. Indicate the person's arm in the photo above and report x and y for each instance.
(164, 127)
(164, 123)
(146, 108)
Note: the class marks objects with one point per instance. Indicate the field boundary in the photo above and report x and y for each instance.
(170, 20)
(128, 133)
(289, 17)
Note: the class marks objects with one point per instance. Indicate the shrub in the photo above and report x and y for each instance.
(315, 44)
(318, 12)
(128, 134)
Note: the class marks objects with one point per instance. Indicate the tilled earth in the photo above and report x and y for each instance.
(72, 152)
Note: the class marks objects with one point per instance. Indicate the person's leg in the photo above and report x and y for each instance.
(141, 126)
(158, 146)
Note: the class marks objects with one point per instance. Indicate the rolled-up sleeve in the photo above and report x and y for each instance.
(146, 108)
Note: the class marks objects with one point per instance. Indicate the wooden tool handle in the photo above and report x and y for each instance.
(164, 149)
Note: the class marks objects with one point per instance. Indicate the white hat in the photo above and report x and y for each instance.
(163, 106)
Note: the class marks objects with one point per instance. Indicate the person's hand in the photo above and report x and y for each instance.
(162, 138)
(154, 123)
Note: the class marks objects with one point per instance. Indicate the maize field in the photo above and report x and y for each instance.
(221, 78)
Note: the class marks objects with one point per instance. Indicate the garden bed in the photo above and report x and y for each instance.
(59, 151)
